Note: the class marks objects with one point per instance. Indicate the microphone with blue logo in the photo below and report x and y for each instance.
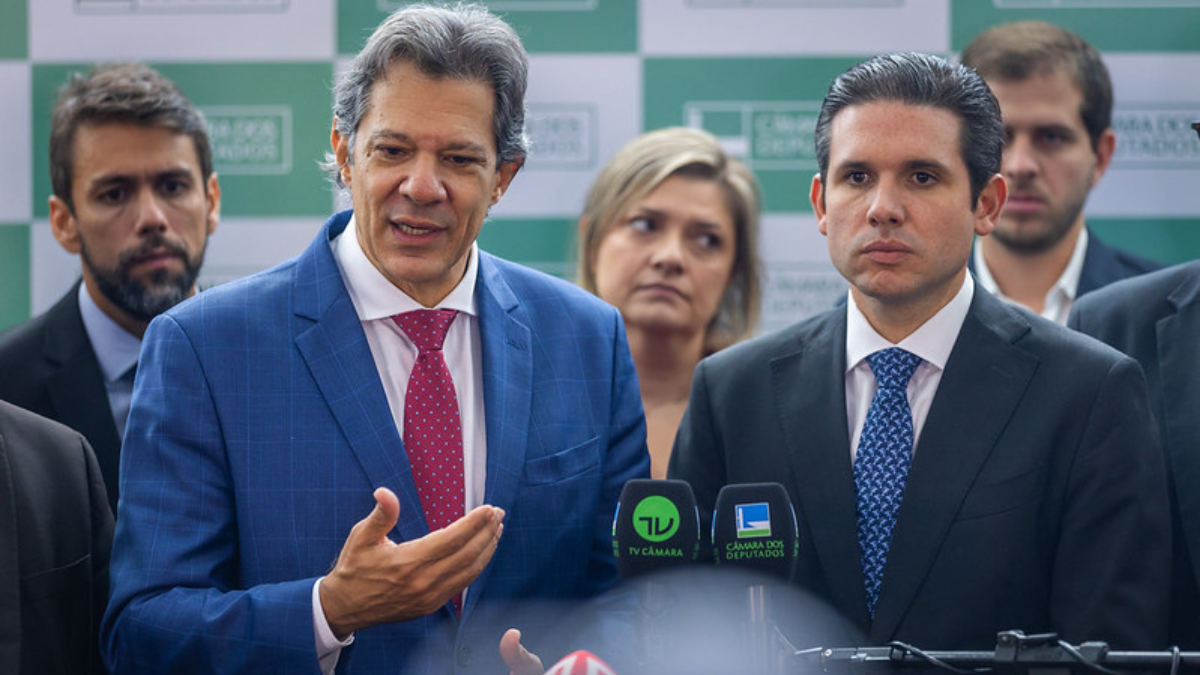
(755, 530)
(656, 527)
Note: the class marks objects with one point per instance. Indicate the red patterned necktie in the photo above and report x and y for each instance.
(432, 427)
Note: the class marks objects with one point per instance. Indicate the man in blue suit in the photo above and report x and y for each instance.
(272, 414)
(1056, 100)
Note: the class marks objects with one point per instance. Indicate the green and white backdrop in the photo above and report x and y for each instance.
(751, 71)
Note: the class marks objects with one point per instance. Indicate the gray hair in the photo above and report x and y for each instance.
(460, 42)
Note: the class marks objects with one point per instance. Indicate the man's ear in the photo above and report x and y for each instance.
(990, 204)
(816, 197)
(507, 171)
(213, 196)
(1106, 147)
(341, 151)
(64, 226)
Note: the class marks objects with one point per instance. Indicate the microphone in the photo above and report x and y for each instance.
(755, 529)
(580, 663)
(656, 527)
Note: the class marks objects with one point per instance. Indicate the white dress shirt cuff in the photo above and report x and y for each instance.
(328, 646)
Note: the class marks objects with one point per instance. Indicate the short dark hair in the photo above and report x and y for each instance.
(922, 80)
(1017, 51)
(464, 42)
(124, 93)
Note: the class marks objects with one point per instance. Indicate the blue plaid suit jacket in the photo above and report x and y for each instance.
(260, 428)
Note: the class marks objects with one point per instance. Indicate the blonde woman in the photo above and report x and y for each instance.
(669, 236)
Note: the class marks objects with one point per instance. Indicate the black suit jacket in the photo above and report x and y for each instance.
(55, 534)
(1036, 498)
(1104, 264)
(50, 368)
(1156, 320)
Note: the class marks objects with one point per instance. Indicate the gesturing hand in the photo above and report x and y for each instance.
(376, 580)
(520, 661)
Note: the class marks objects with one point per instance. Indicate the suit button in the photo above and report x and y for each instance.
(464, 656)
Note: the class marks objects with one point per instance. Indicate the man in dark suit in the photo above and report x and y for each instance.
(1008, 479)
(136, 197)
(298, 418)
(1056, 99)
(1156, 319)
(55, 534)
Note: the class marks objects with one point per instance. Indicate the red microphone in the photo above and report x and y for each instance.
(581, 663)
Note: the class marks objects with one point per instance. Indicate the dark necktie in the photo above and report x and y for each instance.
(881, 463)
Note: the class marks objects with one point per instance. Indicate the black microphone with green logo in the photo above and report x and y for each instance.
(656, 528)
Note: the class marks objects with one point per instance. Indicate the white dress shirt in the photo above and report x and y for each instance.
(116, 351)
(375, 301)
(1060, 297)
(933, 342)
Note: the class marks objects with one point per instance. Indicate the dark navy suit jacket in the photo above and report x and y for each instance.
(55, 534)
(260, 428)
(50, 368)
(1036, 498)
(1156, 319)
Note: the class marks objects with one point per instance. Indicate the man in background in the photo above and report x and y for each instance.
(55, 534)
(958, 467)
(382, 454)
(1056, 99)
(136, 197)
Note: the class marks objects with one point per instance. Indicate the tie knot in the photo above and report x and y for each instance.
(893, 367)
(426, 327)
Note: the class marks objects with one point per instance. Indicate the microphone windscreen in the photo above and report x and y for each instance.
(656, 526)
(581, 663)
(754, 528)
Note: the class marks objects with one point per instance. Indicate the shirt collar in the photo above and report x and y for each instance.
(116, 349)
(1067, 283)
(932, 341)
(375, 297)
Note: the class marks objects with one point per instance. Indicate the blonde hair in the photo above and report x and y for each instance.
(637, 170)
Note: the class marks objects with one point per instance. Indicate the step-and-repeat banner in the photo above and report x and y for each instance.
(753, 72)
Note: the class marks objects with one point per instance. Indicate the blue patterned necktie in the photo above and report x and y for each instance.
(881, 464)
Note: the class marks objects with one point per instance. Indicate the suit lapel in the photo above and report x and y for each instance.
(77, 385)
(818, 453)
(332, 343)
(507, 393)
(984, 366)
(1179, 373)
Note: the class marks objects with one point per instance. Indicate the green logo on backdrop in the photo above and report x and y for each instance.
(250, 139)
(1156, 136)
(562, 136)
(655, 519)
(267, 134)
(763, 110)
(764, 134)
